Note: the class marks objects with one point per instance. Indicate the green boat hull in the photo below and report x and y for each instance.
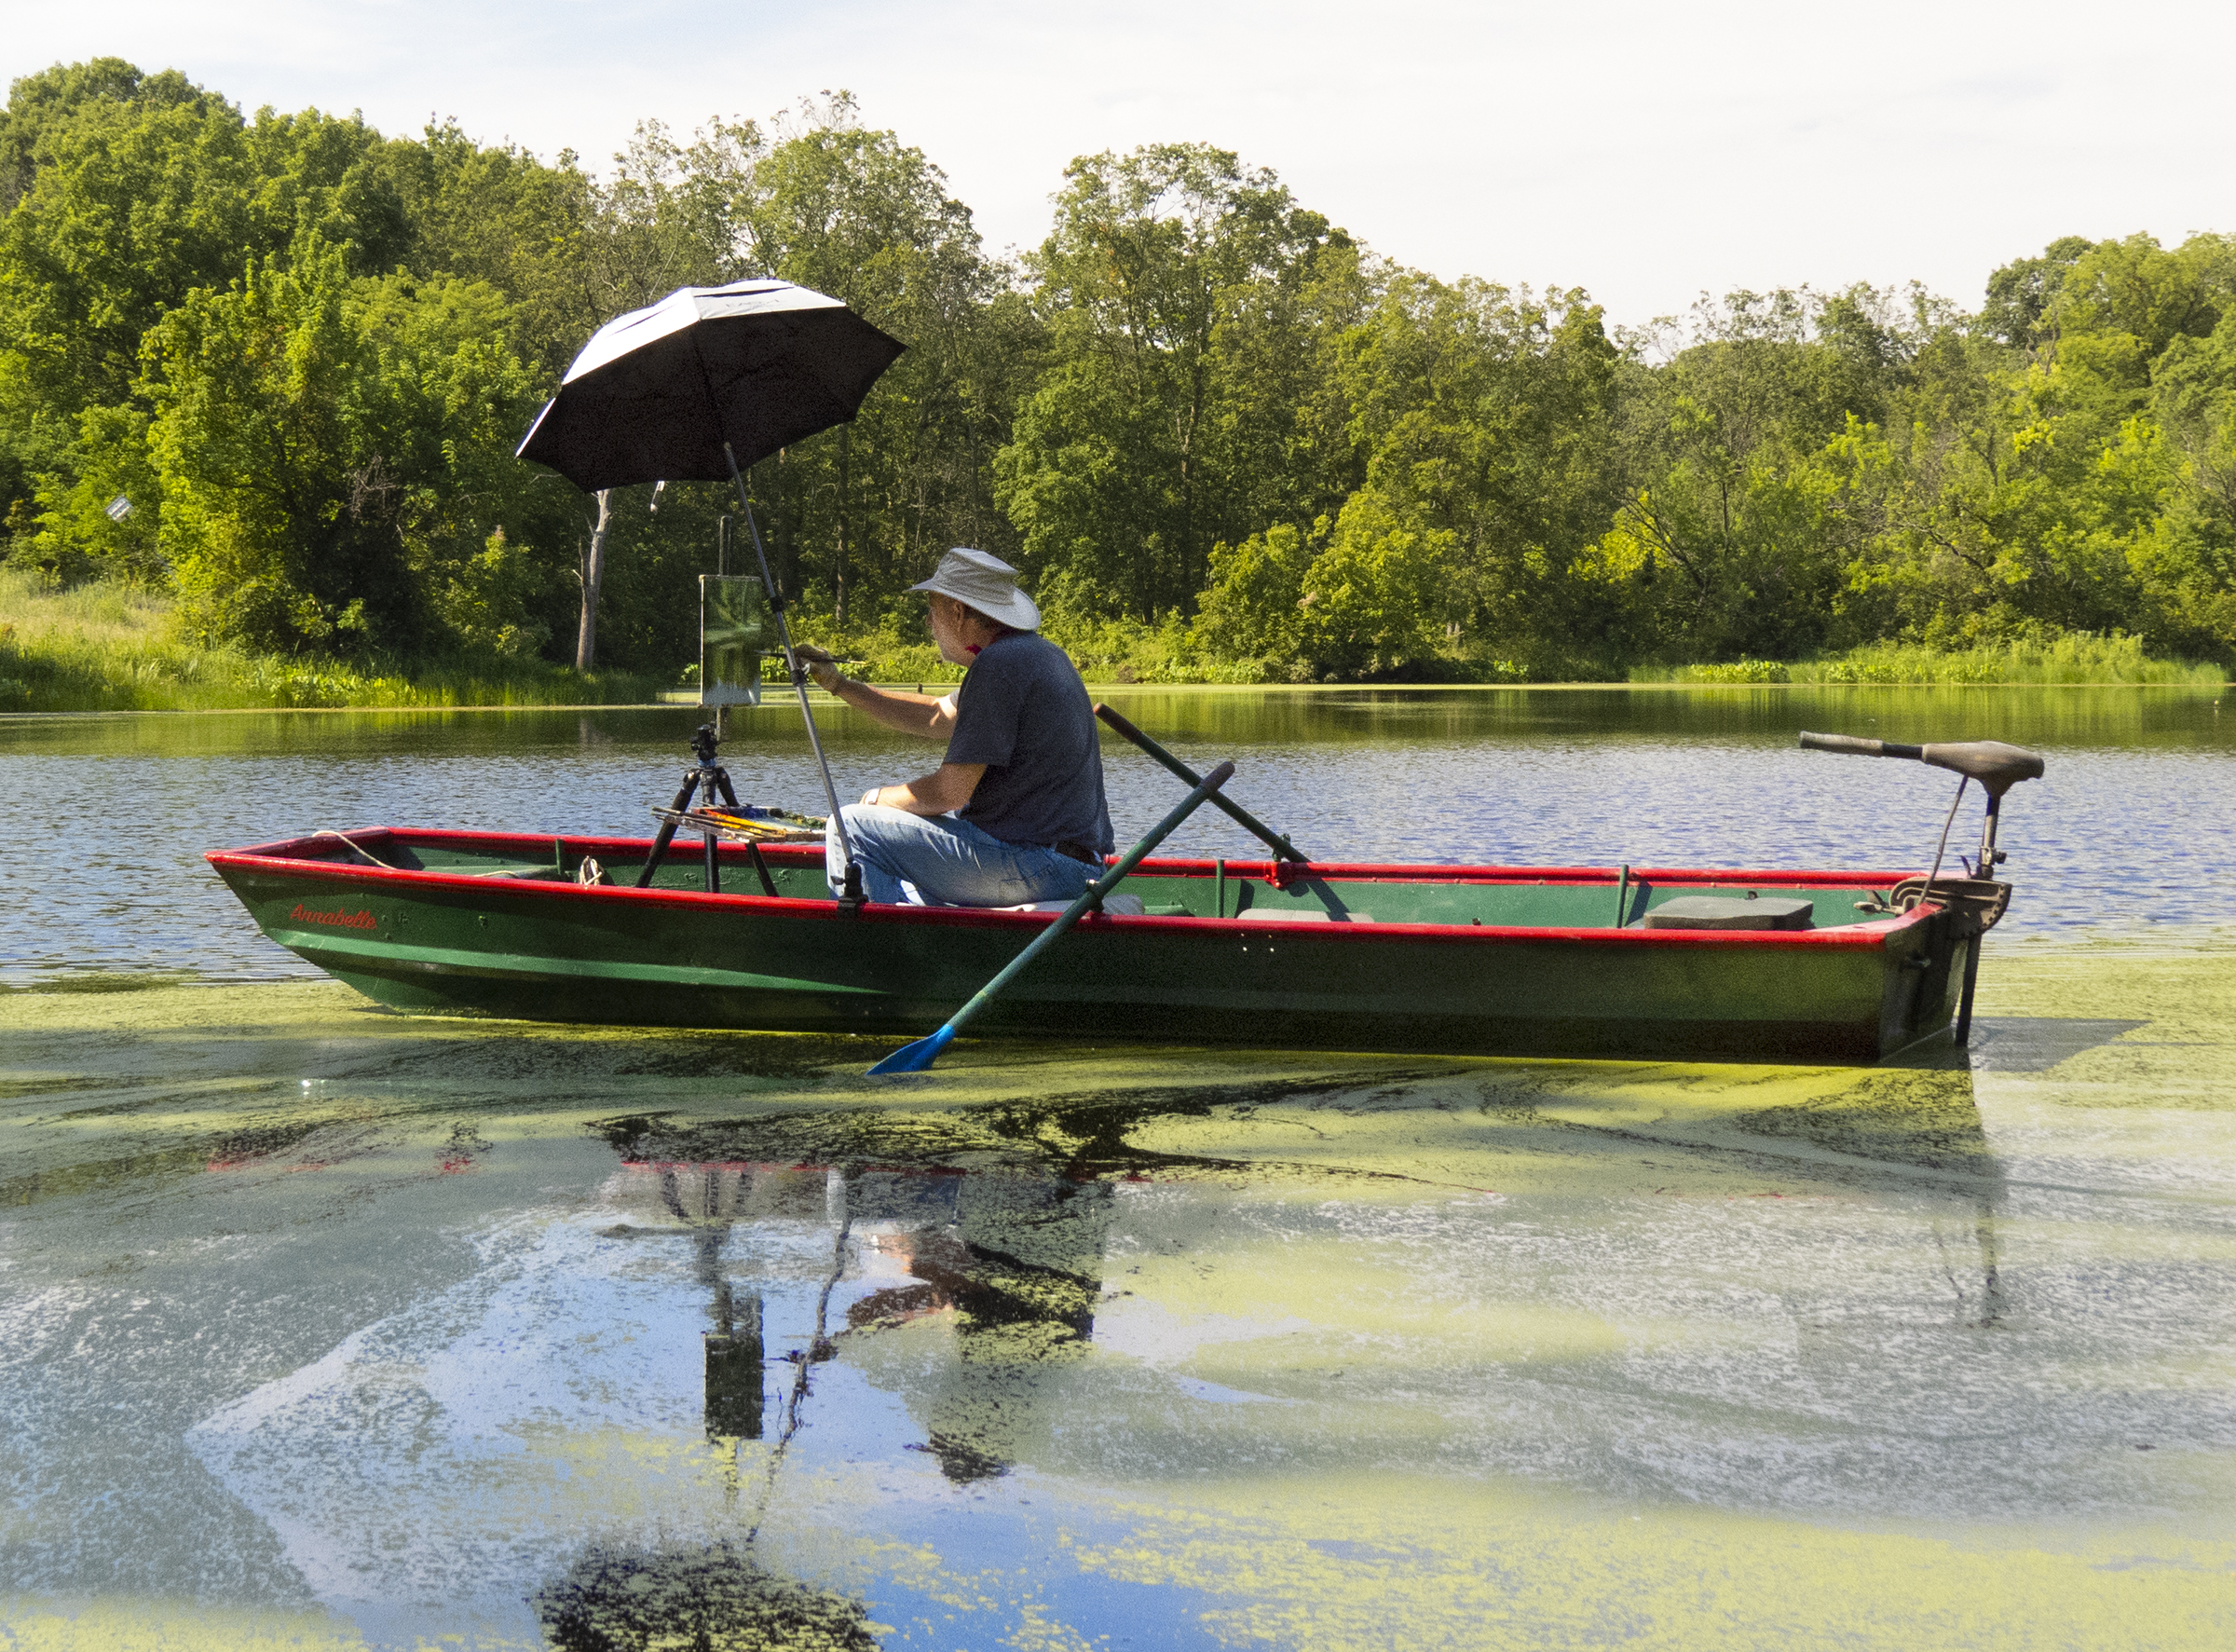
(1479, 961)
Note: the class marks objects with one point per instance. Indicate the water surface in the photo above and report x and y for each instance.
(334, 1326)
(104, 820)
(322, 1326)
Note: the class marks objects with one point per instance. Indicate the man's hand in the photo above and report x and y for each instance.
(820, 666)
(949, 786)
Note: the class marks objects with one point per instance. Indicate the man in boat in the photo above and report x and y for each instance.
(1015, 812)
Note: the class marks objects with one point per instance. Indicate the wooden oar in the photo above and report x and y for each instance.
(915, 1058)
(1235, 811)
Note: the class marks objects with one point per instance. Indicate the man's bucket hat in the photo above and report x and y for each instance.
(985, 583)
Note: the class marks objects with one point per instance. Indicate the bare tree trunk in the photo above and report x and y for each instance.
(593, 574)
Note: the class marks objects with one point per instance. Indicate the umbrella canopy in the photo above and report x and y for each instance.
(656, 393)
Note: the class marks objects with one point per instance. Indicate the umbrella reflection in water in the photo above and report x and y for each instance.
(925, 1241)
(1012, 1263)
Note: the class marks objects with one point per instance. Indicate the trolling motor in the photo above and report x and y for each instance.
(1977, 900)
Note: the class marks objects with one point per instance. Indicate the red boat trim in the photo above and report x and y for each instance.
(295, 857)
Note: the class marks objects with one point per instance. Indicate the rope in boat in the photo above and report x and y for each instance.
(359, 848)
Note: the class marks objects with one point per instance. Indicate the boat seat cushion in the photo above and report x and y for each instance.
(1123, 905)
(1118, 905)
(1724, 911)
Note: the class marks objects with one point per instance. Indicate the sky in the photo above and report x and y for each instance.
(1646, 151)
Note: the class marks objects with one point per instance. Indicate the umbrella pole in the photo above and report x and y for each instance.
(799, 684)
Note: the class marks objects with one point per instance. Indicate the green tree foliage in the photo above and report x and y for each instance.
(2070, 487)
(1165, 416)
(277, 363)
(321, 444)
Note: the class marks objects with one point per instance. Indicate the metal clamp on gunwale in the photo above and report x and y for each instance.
(1984, 900)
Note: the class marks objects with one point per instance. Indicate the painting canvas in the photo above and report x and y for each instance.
(730, 639)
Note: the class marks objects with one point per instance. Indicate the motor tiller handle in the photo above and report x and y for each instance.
(1995, 766)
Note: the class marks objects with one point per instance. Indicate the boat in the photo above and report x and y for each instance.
(1657, 962)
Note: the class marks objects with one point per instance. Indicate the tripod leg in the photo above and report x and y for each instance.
(667, 829)
(719, 782)
(761, 867)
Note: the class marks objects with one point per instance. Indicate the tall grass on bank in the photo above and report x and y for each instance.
(2074, 660)
(1127, 650)
(109, 647)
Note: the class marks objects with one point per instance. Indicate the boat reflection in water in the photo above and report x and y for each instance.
(1920, 1127)
(993, 1278)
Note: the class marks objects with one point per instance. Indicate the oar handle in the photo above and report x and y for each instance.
(915, 1058)
(1856, 746)
(1235, 811)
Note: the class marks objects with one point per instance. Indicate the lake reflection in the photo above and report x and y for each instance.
(103, 820)
(1146, 1282)
(324, 1326)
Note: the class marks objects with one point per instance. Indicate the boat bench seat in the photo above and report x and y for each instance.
(1723, 911)
(1118, 905)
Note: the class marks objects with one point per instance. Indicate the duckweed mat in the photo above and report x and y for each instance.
(326, 1327)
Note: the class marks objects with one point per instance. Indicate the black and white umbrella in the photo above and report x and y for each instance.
(708, 381)
(699, 386)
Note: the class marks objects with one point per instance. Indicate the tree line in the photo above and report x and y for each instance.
(277, 364)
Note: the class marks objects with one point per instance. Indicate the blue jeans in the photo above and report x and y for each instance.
(950, 862)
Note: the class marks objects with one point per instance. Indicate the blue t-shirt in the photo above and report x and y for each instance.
(1023, 712)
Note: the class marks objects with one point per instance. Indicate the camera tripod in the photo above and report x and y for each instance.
(709, 779)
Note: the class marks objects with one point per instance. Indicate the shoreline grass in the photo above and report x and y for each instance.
(112, 648)
(2073, 661)
(105, 647)
(1124, 653)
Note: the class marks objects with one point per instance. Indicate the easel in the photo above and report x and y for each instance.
(707, 779)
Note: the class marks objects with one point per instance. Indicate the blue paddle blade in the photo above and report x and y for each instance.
(915, 1058)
